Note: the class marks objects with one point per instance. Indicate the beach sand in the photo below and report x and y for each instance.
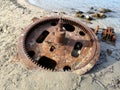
(14, 17)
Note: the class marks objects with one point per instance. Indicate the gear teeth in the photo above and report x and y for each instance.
(44, 67)
(39, 65)
(48, 21)
(35, 62)
(53, 70)
(48, 69)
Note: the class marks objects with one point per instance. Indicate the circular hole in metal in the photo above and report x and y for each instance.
(31, 53)
(67, 68)
(53, 23)
(78, 46)
(69, 27)
(82, 33)
(75, 52)
(52, 48)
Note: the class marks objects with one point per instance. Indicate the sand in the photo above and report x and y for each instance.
(14, 17)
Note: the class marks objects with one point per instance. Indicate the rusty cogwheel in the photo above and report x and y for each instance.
(59, 44)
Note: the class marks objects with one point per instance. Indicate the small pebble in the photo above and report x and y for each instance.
(88, 17)
(109, 52)
(103, 10)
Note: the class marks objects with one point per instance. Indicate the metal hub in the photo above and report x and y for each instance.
(59, 44)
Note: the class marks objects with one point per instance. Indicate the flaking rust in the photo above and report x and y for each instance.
(59, 44)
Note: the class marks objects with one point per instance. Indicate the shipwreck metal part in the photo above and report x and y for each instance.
(96, 30)
(59, 44)
(109, 35)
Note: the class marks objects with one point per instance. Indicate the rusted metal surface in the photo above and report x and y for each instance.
(96, 30)
(109, 35)
(59, 44)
